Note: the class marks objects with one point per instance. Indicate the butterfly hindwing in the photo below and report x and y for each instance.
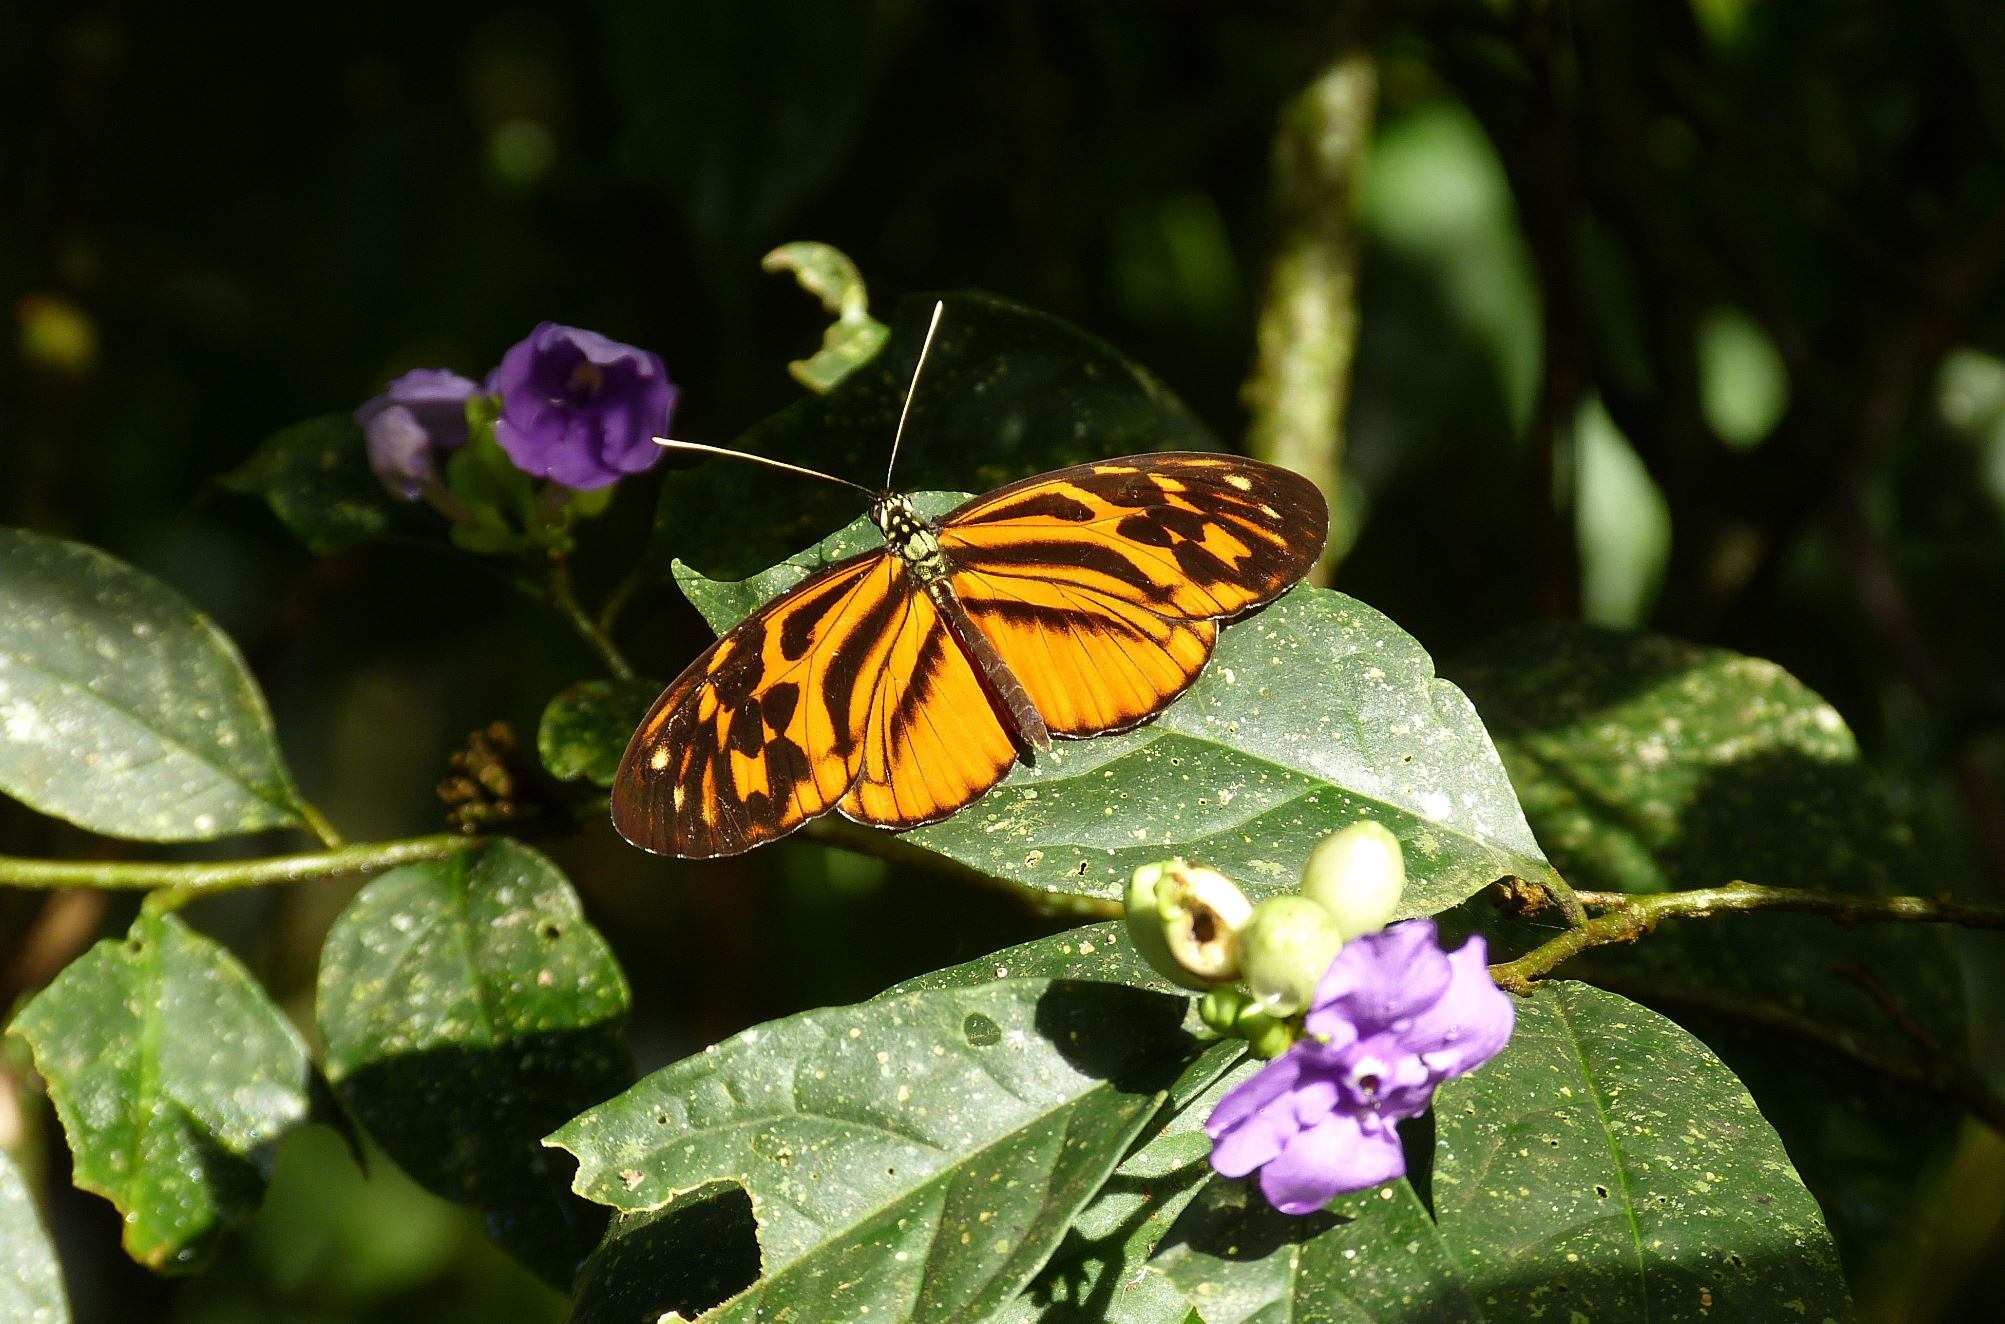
(1101, 585)
(1100, 588)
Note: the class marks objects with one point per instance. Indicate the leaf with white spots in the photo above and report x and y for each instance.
(917, 1156)
(468, 1008)
(1312, 714)
(1606, 1164)
(31, 1281)
(315, 476)
(1650, 764)
(175, 1078)
(122, 708)
(1370, 1256)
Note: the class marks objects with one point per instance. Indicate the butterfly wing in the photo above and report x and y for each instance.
(1102, 585)
(845, 691)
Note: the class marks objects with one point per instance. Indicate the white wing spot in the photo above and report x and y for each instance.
(660, 762)
(1240, 481)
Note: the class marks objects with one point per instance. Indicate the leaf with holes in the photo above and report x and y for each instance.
(467, 1009)
(175, 1078)
(1605, 1162)
(916, 1156)
(1650, 764)
(31, 1281)
(1312, 714)
(122, 708)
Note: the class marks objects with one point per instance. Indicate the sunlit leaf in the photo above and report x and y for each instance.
(468, 1008)
(1648, 764)
(175, 1078)
(1606, 1164)
(31, 1281)
(1374, 1255)
(916, 1156)
(122, 708)
(855, 337)
(1312, 714)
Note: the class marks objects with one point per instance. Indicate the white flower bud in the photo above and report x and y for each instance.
(1357, 875)
(1185, 921)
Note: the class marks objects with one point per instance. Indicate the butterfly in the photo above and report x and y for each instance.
(898, 686)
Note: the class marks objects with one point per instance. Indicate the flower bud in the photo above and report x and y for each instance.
(1358, 876)
(1267, 1036)
(1285, 948)
(1185, 922)
(1222, 1007)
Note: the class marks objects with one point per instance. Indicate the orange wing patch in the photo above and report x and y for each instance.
(765, 730)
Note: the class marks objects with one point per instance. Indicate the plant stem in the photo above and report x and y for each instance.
(319, 824)
(1308, 327)
(558, 590)
(1628, 917)
(206, 876)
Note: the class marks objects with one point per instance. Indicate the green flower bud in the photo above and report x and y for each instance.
(1222, 1007)
(1284, 950)
(1358, 876)
(1185, 922)
(1268, 1036)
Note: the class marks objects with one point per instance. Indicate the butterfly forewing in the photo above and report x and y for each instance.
(1100, 587)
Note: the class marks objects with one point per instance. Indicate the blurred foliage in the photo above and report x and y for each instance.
(1674, 315)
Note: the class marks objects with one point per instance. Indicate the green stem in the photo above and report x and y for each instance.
(206, 876)
(558, 590)
(1308, 326)
(319, 824)
(1627, 918)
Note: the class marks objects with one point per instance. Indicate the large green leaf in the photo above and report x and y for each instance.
(315, 477)
(468, 1008)
(1606, 1164)
(1374, 1255)
(1008, 392)
(1101, 1271)
(31, 1280)
(916, 1156)
(1313, 713)
(122, 708)
(175, 1078)
(1649, 764)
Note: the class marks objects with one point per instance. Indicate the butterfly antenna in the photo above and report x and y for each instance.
(939, 307)
(698, 448)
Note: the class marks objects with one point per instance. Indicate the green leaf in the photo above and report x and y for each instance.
(1373, 1255)
(175, 1078)
(1605, 1163)
(855, 337)
(917, 1156)
(499, 499)
(468, 1008)
(1008, 392)
(585, 729)
(1650, 764)
(122, 708)
(31, 1280)
(315, 476)
(1101, 1270)
(1312, 714)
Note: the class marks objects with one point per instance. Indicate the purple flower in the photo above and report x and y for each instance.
(580, 409)
(1393, 1017)
(418, 415)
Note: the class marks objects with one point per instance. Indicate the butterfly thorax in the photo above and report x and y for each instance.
(915, 538)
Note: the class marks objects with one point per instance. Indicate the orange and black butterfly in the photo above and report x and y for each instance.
(899, 685)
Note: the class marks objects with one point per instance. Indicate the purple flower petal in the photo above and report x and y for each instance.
(417, 415)
(1378, 980)
(1471, 1021)
(1319, 1164)
(580, 409)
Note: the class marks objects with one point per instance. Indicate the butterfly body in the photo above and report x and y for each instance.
(899, 685)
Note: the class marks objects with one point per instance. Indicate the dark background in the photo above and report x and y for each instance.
(1677, 316)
